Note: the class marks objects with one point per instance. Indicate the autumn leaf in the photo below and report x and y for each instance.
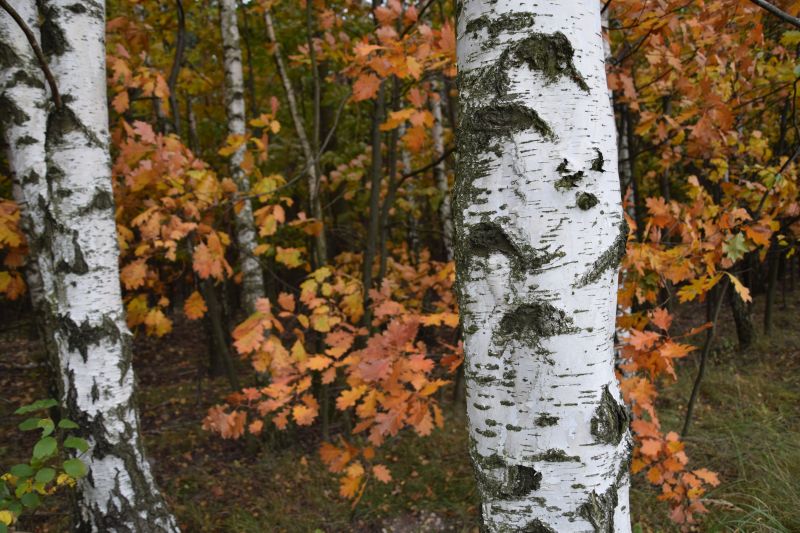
(365, 87)
(291, 257)
(349, 398)
(741, 290)
(133, 274)
(382, 473)
(195, 306)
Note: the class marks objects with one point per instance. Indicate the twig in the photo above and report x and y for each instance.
(783, 15)
(37, 50)
(704, 358)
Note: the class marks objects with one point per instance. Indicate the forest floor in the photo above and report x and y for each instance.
(746, 428)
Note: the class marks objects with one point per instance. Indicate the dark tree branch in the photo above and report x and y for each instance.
(783, 15)
(177, 63)
(36, 50)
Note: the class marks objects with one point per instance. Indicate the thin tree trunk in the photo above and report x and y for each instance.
(440, 175)
(220, 361)
(376, 179)
(701, 371)
(539, 236)
(312, 165)
(772, 284)
(743, 318)
(177, 63)
(252, 276)
(78, 260)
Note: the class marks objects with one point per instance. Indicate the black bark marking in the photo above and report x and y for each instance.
(80, 336)
(537, 526)
(554, 455)
(505, 119)
(487, 238)
(78, 263)
(569, 179)
(599, 510)
(586, 200)
(598, 162)
(611, 419)
(531, 322)
(544, 420)
(610, 259)
(551, 55)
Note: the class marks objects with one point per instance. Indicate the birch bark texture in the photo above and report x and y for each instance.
(23, 119)
(252, 276)
(79, 258)
(440, 174)
(539, 236)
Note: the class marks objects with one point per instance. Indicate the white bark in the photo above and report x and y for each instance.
(539, 235)
(440, 175)
(79, 264)
(312, 168)
(23, 116)
(252, 276)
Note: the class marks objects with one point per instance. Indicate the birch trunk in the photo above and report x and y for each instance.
(252, 277)
(79, 265)
(440, 175)
(539, 236)
(312, 165)
(23, 117)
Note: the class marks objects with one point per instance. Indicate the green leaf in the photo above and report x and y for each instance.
(3, 528)
(29, 424)
(36, 406)
(45, 448)
(75, 468)
(45, 475)
(47, 426)
(735, 247)
(22, 471)
(66, 423)
(30, 500)
(76, 443)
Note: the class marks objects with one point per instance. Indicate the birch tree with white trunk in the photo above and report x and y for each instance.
(539, 236)
(74, 234)
(440, 175)
(23, 119)
(252, 275)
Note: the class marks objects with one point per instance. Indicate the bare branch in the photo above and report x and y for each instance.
(36, 50)
(783, 15)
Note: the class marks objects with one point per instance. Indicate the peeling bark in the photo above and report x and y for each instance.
(539, 235)
(252, 276)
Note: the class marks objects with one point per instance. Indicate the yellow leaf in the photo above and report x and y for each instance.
(741, 290)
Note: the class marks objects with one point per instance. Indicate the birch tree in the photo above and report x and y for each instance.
(540, 233)
(440, 175)
(252, 276)
(73, 234)
(23, 118)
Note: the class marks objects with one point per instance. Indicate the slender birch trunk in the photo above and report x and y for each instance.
(440, 175)
(539, 236)
(78, 259)
(312, 165)
(23, 117)
(252, 276)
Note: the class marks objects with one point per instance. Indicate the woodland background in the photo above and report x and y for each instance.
(349, 157)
